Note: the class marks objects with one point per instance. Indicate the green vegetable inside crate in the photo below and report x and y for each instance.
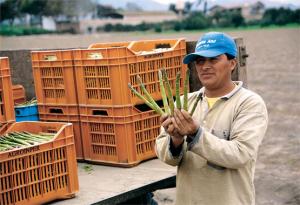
(15, 140)
(168, 101)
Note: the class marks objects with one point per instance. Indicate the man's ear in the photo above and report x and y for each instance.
(233, 63)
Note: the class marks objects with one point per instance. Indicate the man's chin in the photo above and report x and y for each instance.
(207, 83)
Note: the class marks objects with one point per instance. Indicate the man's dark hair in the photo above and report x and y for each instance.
(229, 57)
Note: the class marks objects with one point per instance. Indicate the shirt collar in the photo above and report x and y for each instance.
(239, 85)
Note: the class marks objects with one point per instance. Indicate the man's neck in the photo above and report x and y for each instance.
(214, 93)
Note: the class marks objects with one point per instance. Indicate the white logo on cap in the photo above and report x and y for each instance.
(205, 43)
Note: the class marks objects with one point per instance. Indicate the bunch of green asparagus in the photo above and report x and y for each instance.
(33, 101)
(23, 139)
(166, 92)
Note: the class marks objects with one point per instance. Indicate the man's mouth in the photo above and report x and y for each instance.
(206, 74)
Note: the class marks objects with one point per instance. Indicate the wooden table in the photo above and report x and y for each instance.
(100, 184)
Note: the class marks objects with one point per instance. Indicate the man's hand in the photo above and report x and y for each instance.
(166, 122)
(183, 123)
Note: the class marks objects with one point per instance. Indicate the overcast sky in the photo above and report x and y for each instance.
(295, 2)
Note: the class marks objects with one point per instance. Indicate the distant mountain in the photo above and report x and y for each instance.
(292, 4)
(156, 5)
(146, 5)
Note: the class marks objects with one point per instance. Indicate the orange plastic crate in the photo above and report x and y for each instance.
(18, 94)
(7, 112)
(39, 173)
(5, 126)
(116, 111)
(58, 109)
(74, 119)
(104, 71)
(120, 141)
(54, 77)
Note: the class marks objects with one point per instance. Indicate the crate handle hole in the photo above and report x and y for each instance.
(56, 110)
(50, 57)
(18, 112)
(100, 112)
(162, 45)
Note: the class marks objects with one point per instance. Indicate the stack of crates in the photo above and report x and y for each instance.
(7, 114)
(55, 90)
(39, 173)
(117, 127)
(89, 88)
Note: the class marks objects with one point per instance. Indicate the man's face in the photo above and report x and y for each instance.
(214, 72)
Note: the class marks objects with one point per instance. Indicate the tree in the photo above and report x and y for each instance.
(195, 20)
(279, 16)
(75, 8)
(237, 19)
(172, 7)
(9, 10)
(34, 8)
(296, 16)
(187, 8)
(228, 18)
(54, 8)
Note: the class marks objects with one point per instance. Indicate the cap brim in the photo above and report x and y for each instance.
(208, 54)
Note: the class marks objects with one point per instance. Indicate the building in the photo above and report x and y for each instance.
(250, 12)
(129, 18)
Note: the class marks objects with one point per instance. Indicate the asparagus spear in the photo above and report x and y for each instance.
(159, 111)
(199, 96)
(185, 90)
(169, 91)
(163, 92)
(177, 89)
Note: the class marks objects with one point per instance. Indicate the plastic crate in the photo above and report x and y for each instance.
(26, 110)
(27, 118)
(54, 77)
(5, 126)
(58, 109)
(71, 118)
(116, 111)
(104, 71)
(119, 141)
(27, 113)
(6, 95)
(19, 94)
(39, 173)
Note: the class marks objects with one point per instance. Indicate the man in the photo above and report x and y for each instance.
(216, 148)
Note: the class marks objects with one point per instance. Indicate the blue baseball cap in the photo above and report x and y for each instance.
(212, 44)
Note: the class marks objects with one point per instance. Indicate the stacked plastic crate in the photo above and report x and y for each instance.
(39, 173)
(55, 90)
(7, 114)
(117, 128)
(19, 94)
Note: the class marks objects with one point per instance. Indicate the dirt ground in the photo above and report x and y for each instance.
(273, 72)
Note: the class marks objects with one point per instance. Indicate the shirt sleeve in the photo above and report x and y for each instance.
(193, 139)
(246, 134)
(165, 152)
(175, 151)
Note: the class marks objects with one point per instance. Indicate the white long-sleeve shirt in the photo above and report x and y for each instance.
(217, 167)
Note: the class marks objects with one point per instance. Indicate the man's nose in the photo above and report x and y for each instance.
(206, 64)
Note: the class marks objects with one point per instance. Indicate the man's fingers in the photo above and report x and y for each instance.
(186, 116)
(178, 114)
(178, 121)
(166, 123)
(171, 129)
(175, 123)
(163, 118)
